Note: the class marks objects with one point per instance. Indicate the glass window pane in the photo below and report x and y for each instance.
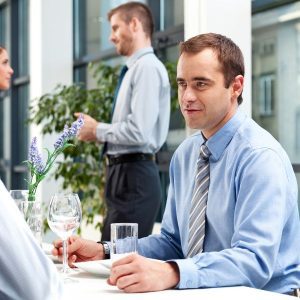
(23, 38)
(19, 113)
(276, 76)
(172, 13)
(276, 88)
(80, 75)
(166, 13)
(91, 27)
(3, 27)
(22, 114)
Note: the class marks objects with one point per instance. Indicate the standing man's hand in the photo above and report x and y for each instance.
(135, 273)
(87, 133)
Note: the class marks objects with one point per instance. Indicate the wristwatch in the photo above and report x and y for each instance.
(106, 249)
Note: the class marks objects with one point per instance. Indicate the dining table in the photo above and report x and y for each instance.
(87, 286)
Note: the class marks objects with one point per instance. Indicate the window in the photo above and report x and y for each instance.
(3, 42)
(266, 95)
(276, 73)
(19, 94)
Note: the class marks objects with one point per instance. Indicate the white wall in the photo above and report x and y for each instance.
(231, 18)
(51, 61)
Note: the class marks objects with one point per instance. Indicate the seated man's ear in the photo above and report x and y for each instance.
(237, 86)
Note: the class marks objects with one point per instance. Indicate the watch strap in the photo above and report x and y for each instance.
(106, 249)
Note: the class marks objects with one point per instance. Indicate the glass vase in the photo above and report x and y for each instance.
(34, 219)
(31, 209)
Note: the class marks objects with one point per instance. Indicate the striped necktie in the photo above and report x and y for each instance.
(121, 76)
(198, 206)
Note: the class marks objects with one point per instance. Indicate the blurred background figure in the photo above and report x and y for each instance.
(140, 122)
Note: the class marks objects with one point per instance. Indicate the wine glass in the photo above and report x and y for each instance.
(64, 217)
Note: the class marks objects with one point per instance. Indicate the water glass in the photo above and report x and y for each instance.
(124, 237)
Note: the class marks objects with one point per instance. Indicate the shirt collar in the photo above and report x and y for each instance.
(219, 141)
(138, 54)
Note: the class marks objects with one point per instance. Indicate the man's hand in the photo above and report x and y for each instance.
(87, 133)
(79, 250)
(135, 273)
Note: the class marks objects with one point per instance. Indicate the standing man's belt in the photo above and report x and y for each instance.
(127, 158)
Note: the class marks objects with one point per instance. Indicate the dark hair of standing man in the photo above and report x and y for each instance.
(229, 54)
(139, 10)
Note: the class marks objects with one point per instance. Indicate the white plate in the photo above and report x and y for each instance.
(94, 267)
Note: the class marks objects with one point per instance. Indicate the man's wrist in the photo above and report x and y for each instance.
(106, 250)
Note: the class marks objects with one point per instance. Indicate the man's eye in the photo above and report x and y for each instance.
(181, 83)
(200, 84)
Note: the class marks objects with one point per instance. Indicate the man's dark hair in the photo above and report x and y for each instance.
(139, 10)
(229, 54)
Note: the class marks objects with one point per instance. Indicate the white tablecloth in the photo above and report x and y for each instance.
(92, 287)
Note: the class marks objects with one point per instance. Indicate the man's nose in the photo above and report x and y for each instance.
(112, 38)
(189, 95)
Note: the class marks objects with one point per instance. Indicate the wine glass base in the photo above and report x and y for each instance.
(66, 275)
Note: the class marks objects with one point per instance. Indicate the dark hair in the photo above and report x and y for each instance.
(135, 9)
(229, 54)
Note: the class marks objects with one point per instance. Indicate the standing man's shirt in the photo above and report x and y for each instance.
(252, 229)
(141, 117)
(25, 272)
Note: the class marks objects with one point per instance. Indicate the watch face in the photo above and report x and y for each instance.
(106, 248)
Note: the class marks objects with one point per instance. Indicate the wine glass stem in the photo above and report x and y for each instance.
(65, 256)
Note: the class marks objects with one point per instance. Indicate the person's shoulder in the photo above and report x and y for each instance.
(252, 139)
(150, 65)
(255, 136)
(151, 61)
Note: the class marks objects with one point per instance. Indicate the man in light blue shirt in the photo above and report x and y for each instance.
(252, 228)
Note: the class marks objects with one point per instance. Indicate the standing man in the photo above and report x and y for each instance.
(139, 126)
(232, 179)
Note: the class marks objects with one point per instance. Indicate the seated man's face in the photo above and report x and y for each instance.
(204, 101)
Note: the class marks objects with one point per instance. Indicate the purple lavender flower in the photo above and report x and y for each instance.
(63, 138)
(35, 157)
(76, 126)
(69, 133)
